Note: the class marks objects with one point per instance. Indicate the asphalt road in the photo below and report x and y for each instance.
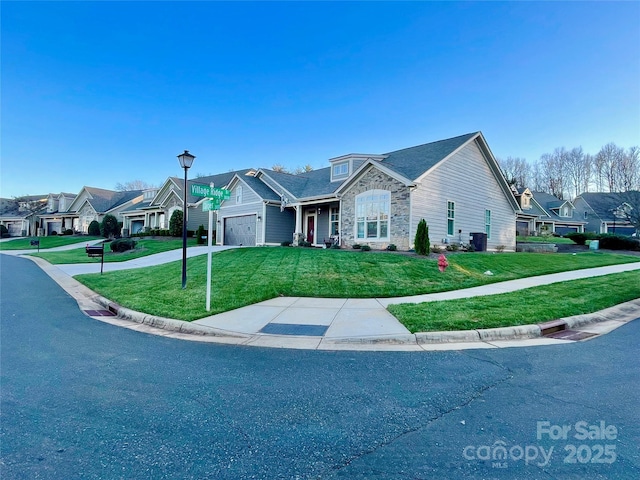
(83, 399)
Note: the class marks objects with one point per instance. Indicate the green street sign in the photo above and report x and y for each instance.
(202, 190)
(210, 204)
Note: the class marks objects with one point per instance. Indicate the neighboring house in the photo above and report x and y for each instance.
(158, 204)
(53, 219)
(377, 200)
(20, 215)
(93, 204)
(607, 212)
(544, 214)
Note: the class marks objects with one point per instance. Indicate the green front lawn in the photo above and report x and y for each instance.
(45, 242)
(533, 305)
(249, 275)
(144, 247)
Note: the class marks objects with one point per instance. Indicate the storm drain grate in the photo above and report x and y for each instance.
(100, 313)
(294, 329)
(570, 335)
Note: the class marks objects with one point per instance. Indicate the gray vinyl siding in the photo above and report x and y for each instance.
(197, 217)
(280, 226)
(248, 195)
(466, 180)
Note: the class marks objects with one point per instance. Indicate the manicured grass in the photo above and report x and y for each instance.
(45, 242)
(545, 240)
(144, 247)
(534, 305)
(245, 276)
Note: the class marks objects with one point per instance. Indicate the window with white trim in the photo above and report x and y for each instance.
(487, 223)
(238, 194)
(372, 215)
(334, 221)
(451, 215)
(341, 169)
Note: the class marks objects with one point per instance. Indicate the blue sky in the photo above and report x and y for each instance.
(99, 93)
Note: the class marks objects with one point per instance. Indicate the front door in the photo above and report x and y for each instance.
(311, 220)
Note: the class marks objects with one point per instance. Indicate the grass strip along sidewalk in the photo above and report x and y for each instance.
(533, 305)
(246, 276)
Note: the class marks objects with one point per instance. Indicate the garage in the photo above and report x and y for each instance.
(240, 230)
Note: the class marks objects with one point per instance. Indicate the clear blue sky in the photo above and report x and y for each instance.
(96, 93)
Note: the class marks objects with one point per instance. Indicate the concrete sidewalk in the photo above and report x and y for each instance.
(338, 323)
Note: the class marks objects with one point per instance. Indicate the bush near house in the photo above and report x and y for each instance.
(618, 242)
(200, 234)
(109, 227)
(122, 245)
(580, 238)
(4, 233)
(94, 229)
(422, 244)
(175, 223)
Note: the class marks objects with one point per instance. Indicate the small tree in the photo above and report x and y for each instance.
(175, 223)
(200, 233)
(422, 244)
(94, 229)
(109, 227)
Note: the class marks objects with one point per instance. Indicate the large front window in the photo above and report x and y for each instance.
(372, 215)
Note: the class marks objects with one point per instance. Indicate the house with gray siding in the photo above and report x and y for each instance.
(377, 200)
(544, 214)
(608, 212)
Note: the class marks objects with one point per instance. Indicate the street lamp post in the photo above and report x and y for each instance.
(186, 160)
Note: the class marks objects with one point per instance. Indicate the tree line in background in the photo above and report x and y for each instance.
(568, 173)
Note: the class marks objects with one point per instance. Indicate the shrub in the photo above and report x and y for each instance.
(4, 233)
(391, 247)
(452, 247)
(618, 242)
(357, 246)
(285, 244)
(580, 238)
(94, 229)
(500, 248)
(109, 227)
(175, 223)
(200, 233)
(68, 231)
(335, 246)
(122, 245)
(304, 243)
(422, 244)
(435, 249)
(365, 248)
(54, 233)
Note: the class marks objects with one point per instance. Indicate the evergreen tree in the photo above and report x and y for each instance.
(175, 223)
(422, 244)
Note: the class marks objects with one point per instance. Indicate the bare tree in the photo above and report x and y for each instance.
(629, 170)
(279, 168)
(307, 168)
(608, 161)
(516, 170)
(553, 167)
(578, 169)
(133, 185)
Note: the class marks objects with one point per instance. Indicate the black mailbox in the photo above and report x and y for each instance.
(95, 251)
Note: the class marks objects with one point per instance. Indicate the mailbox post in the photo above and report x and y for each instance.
(96, 251)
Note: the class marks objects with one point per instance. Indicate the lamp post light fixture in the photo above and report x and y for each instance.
(186, 160)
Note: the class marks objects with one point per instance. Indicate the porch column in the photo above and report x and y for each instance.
(297, 235)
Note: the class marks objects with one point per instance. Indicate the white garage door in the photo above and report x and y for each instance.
(240, 230)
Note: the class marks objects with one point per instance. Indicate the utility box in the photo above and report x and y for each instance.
(594, 245)
(479, 241)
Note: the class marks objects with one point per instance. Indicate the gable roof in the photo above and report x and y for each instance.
(604, 204)
(412, 162)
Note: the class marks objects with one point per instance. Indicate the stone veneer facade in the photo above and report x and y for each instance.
(399, 224)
